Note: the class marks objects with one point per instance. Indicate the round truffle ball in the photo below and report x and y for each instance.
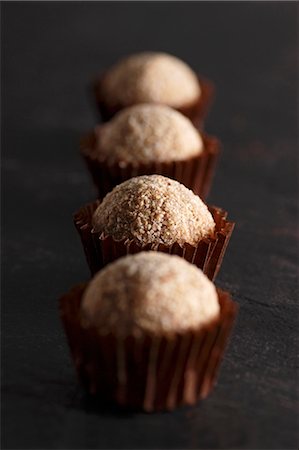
(148, 132)
(151, 77)
(149, 292)
(153, 209)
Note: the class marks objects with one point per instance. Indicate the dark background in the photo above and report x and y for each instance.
(49, 53)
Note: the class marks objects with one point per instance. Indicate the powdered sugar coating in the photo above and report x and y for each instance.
(153, 209)
(148, 132)
(151, 77)
(149, 292)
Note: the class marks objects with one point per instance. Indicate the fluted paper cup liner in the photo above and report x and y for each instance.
(196, 111)
(195, 173)
(101, 250)
(149, 372)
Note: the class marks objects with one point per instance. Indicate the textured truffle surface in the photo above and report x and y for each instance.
(151, 77)
(148, 132)
(153, 210)
(152, 292)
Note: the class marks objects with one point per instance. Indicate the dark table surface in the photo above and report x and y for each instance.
(50, 51)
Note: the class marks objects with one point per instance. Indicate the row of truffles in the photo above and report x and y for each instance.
(149, 330)
(150, 306)
(154, 104)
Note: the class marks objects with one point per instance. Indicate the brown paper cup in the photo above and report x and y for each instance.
(195, 173)
(196, 112)
(149, 372)
(101, 250)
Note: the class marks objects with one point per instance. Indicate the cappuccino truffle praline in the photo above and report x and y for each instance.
(151, 77)
(147, 133)
(149, 292)
(153, 209)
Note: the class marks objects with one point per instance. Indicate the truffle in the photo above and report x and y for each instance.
(149, 292)
(153, 210)
(151, 78)
(147, 133)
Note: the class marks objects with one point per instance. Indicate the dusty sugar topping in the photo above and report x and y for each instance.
(151, 77)
(153, 209)
(152, 292)
(148, 132)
